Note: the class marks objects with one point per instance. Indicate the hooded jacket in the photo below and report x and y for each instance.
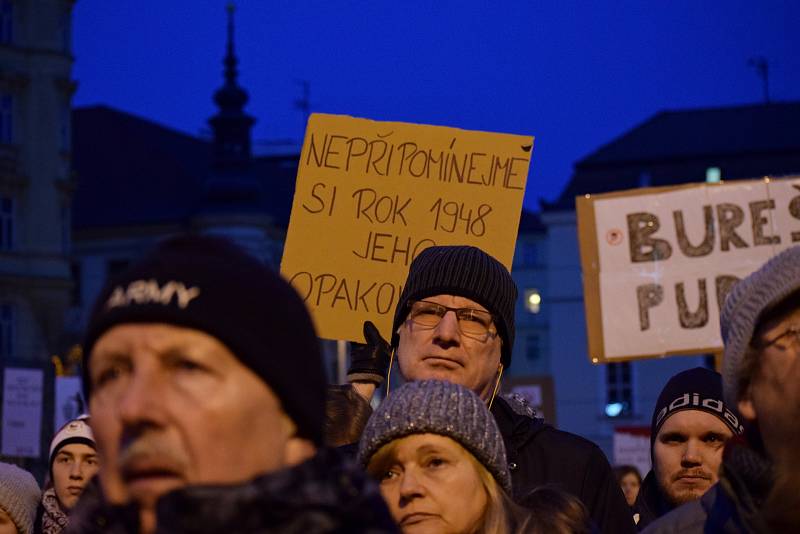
(539, 454)
(326, 494)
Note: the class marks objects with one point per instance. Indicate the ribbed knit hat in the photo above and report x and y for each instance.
(694, 389)
(746, 303)
(210, 284)
(463, 271)
(19, 496)
(443, 408)
(75, 431)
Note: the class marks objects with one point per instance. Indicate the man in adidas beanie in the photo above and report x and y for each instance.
(691, 424)
(206, 389)
(455, 322)
(759, 481)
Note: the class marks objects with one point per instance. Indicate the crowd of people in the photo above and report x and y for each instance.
(209, 412)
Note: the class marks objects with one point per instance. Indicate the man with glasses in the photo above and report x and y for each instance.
(759, 487)
(455, 321)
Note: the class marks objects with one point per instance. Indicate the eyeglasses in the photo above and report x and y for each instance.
(793, 332)
(472, 323)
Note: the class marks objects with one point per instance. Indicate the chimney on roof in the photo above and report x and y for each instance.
(231, 125)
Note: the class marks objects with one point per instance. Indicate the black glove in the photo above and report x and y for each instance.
(369, 361)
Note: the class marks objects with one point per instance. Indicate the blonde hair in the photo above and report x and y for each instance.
(501, 515)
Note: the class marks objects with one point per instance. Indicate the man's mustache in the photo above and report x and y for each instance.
(154, 451)
(694, 473)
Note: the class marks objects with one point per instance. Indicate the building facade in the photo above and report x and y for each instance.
(35, 181)
(36, 189)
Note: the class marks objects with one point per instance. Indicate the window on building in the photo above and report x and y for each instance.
(7, 327)
(713, 175)
(66, 31)
(66, 228)
(6, 22)
(530, 254)
(619, 390)
(6, 118)
(6, 223)
(75, 274)
(533, 300)
(533, 347)
(65, 128)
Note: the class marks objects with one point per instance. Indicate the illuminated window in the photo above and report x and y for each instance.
(713, 175)
(619, 390)
(533, 300)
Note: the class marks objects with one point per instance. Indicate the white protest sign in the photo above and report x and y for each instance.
(658, 262)
(632, 447)
(22, 412)
(69, 400)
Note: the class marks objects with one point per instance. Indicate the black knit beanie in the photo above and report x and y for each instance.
(465, 272)
(210, 284)
(695, 389)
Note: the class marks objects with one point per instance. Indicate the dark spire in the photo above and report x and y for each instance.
(231, 125)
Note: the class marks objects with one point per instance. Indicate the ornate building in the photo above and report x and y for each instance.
(35, 182)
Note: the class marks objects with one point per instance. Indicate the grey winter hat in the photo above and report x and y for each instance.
(19, 496)
(443, 408)
(466, 272)
(746, 303)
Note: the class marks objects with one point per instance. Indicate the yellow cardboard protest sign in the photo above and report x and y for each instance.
(370, 196)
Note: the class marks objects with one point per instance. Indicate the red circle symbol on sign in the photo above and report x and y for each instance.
(614, 236)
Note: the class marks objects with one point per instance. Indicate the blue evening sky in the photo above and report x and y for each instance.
(575, 74)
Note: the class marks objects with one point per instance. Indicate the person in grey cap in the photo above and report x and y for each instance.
(454, 321)
(19, 496)
(441, 462)
(759, 481)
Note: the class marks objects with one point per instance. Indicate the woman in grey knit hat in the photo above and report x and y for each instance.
(440, 460)
(19, 496)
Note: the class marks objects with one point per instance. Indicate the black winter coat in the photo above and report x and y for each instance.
(326, 494)
(539, 454)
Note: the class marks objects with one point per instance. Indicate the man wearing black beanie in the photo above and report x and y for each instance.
(691, 424)
(454, 322)
(202, 424)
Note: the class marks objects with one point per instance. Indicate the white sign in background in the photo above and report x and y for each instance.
(763, 232)
(69, 400)
(22, 412)
(632, 449)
